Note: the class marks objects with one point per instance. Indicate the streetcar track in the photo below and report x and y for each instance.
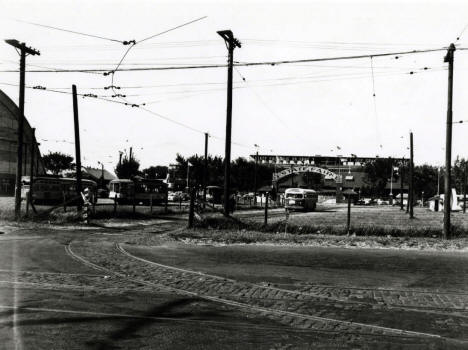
(294, 292)
(261, 309)
(156, 318)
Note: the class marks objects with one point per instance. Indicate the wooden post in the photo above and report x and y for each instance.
(64, 197)
(448, 145)
(115, 206)
(401, 187)
(134, 204)
(348, 220)
(77, 147)
(265, 221)
(464, 189)
(151, 204)
(191, 208)
(165, 200)
(231, 44)
(31, 171)
(411, 195)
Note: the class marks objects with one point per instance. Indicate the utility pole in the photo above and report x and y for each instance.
(77, 148)
(448, 144)
(231, 43)
(401, 186)
(23, 51)
(205, 169)
(391, 184)
(130, 155)
(31, 165)
(120, 158)
(411, 171)
(255, 178)
(464, 188)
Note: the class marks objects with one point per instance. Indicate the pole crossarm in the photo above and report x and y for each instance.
(22, 47)
(229, 38)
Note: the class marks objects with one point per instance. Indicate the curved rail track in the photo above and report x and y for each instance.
(286, 306)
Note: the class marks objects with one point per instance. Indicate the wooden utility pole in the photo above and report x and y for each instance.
(31, 165)
(411, 172)
(255, 178)
(205, 169)
(23, 51)
(77, 148)
(464, 188)
(231, 43)
(448, 144)
(130, 155)
(401, 186)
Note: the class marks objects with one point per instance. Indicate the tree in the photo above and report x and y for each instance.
(156, 172)
(57, 162)
(128, 168)
(378, 173)
(425, 180)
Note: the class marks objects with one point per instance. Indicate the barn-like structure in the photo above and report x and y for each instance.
(8, 147)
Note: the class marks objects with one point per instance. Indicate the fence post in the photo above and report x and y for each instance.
(165, 201)
(115, 206)
(286, 221)
(28, 199)
(266, 210)
(191, 208)
(348, 220)
(180, 203)
(133, 205)
(151, 204)
(65, 202)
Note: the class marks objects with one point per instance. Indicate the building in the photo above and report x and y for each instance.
(9, 143)
(328, 174)
(99, 175)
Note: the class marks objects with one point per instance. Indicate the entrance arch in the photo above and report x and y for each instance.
(312, 169)
(305, 169)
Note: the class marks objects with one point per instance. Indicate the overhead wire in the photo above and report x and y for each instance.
(133, 43)
(71, 31)
(245, 64)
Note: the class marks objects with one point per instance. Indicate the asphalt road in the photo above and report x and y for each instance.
(79, 289)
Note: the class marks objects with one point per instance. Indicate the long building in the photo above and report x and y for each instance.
(9, 143)
(338, 172)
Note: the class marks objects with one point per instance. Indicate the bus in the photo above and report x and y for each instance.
(300, 199)
(53, 190)
(142, 190)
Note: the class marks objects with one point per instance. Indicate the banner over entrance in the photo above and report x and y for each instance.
(305, 169)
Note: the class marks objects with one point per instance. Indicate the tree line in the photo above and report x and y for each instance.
(377, 173)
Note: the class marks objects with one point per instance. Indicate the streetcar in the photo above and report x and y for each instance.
(139, 190)
(300, 199)
(53, 190)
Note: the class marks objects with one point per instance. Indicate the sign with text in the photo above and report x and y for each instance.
(305, 169)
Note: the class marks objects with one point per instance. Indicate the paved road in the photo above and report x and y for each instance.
(136, 288)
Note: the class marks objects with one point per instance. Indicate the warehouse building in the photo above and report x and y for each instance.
(9, 143)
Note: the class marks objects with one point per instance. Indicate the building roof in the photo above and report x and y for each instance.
(96, 173)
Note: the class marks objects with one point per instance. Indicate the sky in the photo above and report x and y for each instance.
(311, 108)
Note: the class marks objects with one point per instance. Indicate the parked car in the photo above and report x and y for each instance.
(172, 197)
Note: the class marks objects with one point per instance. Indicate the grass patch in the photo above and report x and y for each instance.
(224, 223)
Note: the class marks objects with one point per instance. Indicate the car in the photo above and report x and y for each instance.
(172, 197)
